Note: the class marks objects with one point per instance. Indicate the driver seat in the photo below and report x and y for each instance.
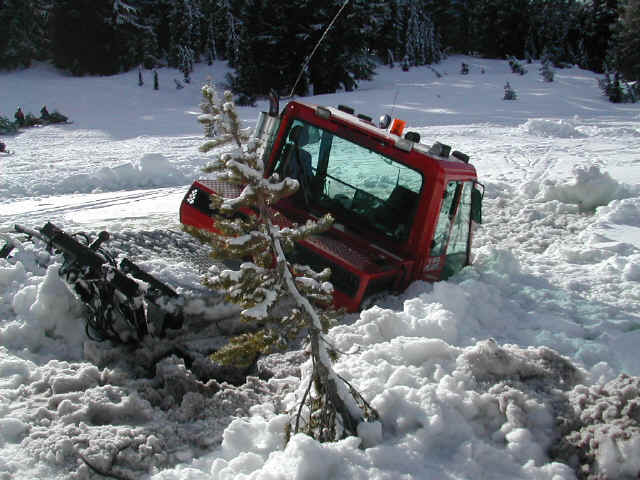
(297, 161)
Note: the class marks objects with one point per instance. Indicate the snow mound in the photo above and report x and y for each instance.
(77, 417)
(152, 170)
(610, 132)
(622, 212)
(47, 313)
(591, 188)
(486, 407)
(602, 430)
(552, 128)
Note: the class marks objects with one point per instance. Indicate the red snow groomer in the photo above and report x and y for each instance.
(403, 210)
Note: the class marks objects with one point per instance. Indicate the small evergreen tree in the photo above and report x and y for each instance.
(208, 106)
(7, 126)
(612, 89)
(545, 70)
(516, 66)
(282, 299)
(509, 92)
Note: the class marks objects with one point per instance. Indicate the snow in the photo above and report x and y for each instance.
(522, 366)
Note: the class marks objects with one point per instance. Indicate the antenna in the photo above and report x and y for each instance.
(385, 120)
(306, 63)
(395, 100)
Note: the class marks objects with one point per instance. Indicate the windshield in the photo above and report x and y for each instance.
(350, 181)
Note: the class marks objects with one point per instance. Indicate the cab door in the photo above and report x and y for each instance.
(459, 244)
(451, 242)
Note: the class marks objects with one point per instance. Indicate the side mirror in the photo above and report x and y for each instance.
(476, 203)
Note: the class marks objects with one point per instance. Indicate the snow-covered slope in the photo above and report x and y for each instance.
(511, 369)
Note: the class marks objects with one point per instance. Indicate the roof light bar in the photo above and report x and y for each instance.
(460, 156)
(397, 126)
(403, 144)
(346, 109)
(440, 150)
(323, 112)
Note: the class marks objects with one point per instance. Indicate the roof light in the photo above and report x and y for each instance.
(460, 156)
(397, 126)
(323, 112)
(404, 144)
(364, 117)
(346, 109)
(413, 136)
(384, 121)
(440, 150)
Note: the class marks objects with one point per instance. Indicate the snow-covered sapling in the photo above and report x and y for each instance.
(209, 106)
(545, 70)
(405, 64)
(612, 88)
(509, 92)
(516, 66)
(282, 301)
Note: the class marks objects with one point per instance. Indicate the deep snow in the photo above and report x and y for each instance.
(511, 369)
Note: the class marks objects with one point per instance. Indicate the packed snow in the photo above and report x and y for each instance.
(522, 366)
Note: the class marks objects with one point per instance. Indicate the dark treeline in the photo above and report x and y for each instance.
(267, 42)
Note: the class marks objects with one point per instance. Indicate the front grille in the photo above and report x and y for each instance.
(379, 284)
(200, 200)
(341, 278)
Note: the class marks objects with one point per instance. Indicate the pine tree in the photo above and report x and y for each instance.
(229, 11)
(281, 298)
(612, 88)
(208, 30)
(257, 67)
(95, 37)
(342, 58)
(627, 46)
(409, 31)
(277, 39)
(22, 33)
(553, 28)
(421, 42)
(602, 16)
(184, 20)
(452, 20)
(509, 92)
(209, 106)
(545, 69)
(499, 26)
(516, 66)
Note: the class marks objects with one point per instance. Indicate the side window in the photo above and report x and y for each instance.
(460, 231)
(447, 211)
(309, 142)
(457, 249)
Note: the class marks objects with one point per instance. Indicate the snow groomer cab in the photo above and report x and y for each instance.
(403, 210)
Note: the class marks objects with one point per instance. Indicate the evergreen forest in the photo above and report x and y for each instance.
(267, 42)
